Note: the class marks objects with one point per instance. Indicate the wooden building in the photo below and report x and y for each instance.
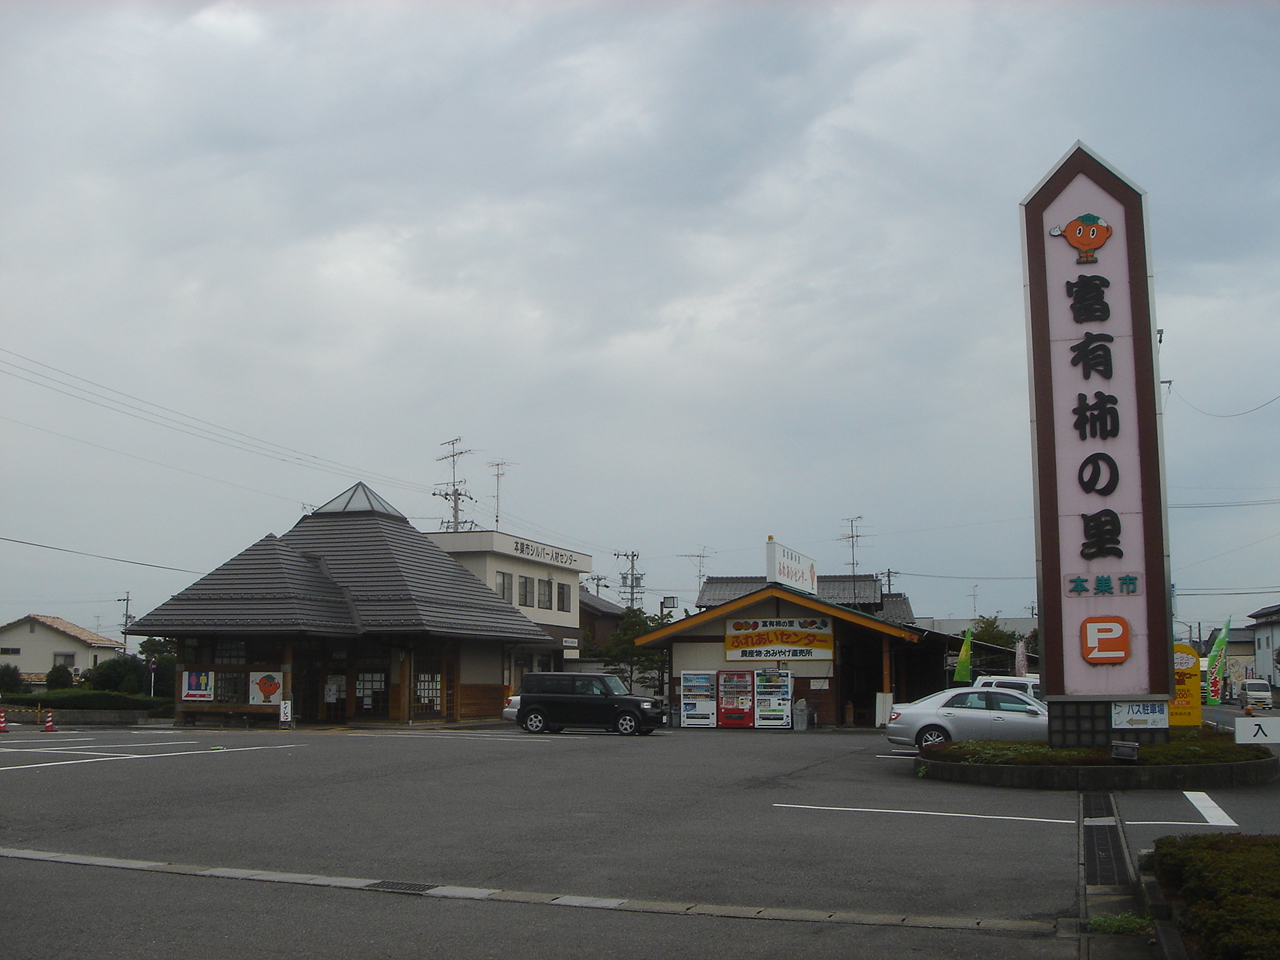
(870, 664)
(352, 614)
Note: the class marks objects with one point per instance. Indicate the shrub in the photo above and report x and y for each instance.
(81, 699)
(1230, 884)
(59, 678)
(1185, 746)
(10, 678)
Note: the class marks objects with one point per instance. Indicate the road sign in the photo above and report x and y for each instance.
(1146, 714)
(1257, 729)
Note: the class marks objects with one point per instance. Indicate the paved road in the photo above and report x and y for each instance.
(702, 843)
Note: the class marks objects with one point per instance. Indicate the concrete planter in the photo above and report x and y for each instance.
(1207, 776)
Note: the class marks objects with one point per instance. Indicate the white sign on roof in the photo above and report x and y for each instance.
(790, 568)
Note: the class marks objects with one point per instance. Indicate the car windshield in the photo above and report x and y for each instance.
(617, 687)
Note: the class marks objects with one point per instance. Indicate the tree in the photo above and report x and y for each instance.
(622, 658)
(988, 630)
(59, 677)
(127, 674)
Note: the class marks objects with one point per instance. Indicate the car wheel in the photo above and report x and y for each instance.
(535, 721)
(931, 737)
(627, 724)
(645, 731)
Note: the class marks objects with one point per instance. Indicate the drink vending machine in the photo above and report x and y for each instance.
(773, 699)
(697, 698)
(735, 705)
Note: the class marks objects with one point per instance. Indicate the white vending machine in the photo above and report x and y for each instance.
(773, 698)
(697, 698)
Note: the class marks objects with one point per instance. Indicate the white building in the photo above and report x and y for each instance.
(37, 642)
(539, 580)
(1266, 643)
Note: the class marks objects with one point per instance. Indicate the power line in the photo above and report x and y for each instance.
(1220, 416)
(99, 556)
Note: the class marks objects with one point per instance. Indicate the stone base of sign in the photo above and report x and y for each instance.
(1087, 723)
(1205, 776)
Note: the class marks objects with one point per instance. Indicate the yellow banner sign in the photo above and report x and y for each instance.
(792, 639)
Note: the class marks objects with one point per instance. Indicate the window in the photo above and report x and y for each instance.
(64, 659)
(544, 594)
(503, 584)
(564, 598)
(526, 591)
(10, 651)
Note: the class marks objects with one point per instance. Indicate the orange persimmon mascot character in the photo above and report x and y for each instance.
(1087, 234)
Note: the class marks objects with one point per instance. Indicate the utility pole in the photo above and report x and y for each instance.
(888, 579)
(128, 619)
(454, 491)
(974, 593)
(498, 473)
(598, 580)
(632, 582)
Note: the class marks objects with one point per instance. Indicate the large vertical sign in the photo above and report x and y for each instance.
(1100, 513)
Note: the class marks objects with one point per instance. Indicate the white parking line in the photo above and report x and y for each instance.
(923, 813)
(496, 737)
(146, 756)
(41, 748)
(1211, 812)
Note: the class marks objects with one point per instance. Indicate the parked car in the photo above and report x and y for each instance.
(968, 713)
(1030, 684)
(1255, 693)
(549, 702)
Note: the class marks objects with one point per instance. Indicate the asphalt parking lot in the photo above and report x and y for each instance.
(719, 843)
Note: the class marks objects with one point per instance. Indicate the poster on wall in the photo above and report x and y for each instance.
(797, 638)
(197, 685)
(264, 688)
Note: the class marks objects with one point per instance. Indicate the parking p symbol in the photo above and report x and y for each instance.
(1104, 639)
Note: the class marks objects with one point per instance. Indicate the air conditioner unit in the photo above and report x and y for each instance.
(75, 671)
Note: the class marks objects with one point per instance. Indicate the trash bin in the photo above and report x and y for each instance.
(800, 715)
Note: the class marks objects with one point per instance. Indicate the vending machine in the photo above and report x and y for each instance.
(773, 699)
(735, 698)
(698, 698)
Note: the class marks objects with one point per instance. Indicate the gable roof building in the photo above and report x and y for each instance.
(37, 642)
(368, 615)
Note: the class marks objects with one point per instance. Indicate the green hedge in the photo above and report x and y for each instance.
(1230, 885)
(1193, 745)
(85, 700)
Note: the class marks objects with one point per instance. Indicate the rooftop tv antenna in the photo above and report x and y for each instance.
(499, 471)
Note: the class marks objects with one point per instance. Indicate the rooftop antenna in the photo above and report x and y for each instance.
(853, 542)
(702, 559)
(455, 490)
(498, 473)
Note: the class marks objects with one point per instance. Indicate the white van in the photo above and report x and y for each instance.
(1030, 684)
(1255, 693)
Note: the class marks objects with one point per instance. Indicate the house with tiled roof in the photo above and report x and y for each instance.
(352, 614)
(37, 642)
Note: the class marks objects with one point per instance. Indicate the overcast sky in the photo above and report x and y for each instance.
(699, 273)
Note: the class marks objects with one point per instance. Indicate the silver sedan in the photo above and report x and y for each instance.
(968, 713)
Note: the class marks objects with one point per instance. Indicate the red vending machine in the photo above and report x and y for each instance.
(735, 698)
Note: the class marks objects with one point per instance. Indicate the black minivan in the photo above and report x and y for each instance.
(549, 702)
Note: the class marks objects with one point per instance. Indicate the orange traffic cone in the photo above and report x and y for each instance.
(4, 722)
(1248, 710)
(48, 722)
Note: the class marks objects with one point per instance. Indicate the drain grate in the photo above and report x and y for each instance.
(399, 886)
(1104, 859)
(1098, 805)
